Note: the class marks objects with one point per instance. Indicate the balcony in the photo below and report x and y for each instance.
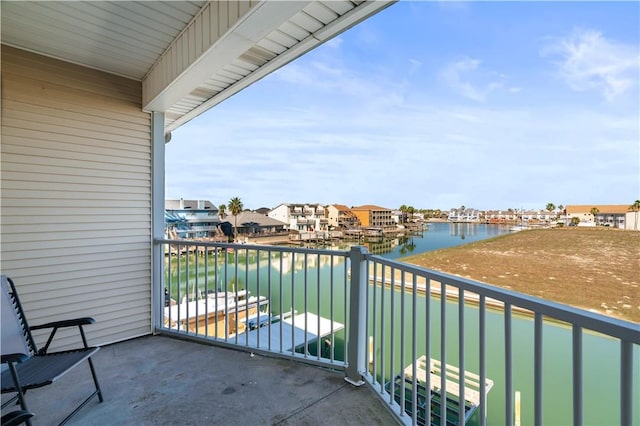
(349, 339)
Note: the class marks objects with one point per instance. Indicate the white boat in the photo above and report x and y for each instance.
(218, 314)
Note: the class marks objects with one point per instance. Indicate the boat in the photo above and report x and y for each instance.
(218, 314)
(434, 396)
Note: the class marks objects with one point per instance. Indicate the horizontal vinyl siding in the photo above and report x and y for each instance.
(76, 196)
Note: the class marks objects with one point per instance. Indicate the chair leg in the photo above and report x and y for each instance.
(95, 379)
(20, 395)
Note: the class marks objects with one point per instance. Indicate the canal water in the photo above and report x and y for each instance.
(326, 279)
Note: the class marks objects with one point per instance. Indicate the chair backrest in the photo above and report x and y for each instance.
(16, 337)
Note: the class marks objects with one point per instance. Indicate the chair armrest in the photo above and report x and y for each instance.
(7, 358)
(15, 418)
(55, 325)
(65, 323)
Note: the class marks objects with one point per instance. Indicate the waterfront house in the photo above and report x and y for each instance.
(199, 218)
(615, 216)
(253, 224)
(375, 217)
(302, 218)
(340, 216)
(464, 215)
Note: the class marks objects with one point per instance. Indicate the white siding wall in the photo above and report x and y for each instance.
(76, 195)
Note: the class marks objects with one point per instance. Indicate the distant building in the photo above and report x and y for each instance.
(340, 216)
(464, 215)
(191, 219)
(254, 224)
(526, 216)
(615, 216)
(301, 217)
(371, 216)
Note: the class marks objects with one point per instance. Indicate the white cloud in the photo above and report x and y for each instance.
(414, 65)
(589, 61)
(334, 42)
(458, 76)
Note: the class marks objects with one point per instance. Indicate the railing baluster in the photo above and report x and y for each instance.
(226, 299)
(427, 349)
(392, 334)
(331, 312)
(306, 308)
(281, 302)
(246, 320)
(626, 383)
(443, 354)
(508, 366)
(319, 343)
(218, 289)
(382, 334)
(293, 299)
(374, 331)
(402, 343)
(482, 331)
(537, 371)
(345, 287)
(269, 299)
(577, 374)
(461, 351)
(206, 290)
(414, 351)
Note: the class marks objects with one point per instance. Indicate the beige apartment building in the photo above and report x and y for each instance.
(616, 216)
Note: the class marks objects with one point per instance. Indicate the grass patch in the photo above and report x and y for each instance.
(597, 269)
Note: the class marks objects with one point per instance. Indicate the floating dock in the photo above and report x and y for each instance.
(472, 390)
(291, 333)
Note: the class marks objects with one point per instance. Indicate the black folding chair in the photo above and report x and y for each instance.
(30, 367)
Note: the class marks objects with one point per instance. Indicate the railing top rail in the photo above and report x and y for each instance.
(613, 327)
(263, 247)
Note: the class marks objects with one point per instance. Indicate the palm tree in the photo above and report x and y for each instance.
(594, 212)
(403, 210)
(411, 210)
(222, 208)
(235, 207)
(550, 208)
(635, 207)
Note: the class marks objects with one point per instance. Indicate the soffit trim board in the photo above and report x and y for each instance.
(251, 28)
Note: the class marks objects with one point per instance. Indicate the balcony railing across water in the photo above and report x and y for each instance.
(386, 323)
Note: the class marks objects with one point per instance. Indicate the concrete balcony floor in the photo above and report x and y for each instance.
(157, 380)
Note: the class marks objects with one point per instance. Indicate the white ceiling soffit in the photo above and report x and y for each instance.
(271, 35)
(120, 37)
(133, 38)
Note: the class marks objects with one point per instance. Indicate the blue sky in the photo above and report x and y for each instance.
(491, 105)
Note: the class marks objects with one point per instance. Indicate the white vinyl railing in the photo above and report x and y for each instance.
(406, 331)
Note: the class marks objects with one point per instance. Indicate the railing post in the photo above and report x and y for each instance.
(357, 333)
(158, 140)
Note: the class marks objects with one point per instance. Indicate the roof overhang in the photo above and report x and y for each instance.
(188, 55)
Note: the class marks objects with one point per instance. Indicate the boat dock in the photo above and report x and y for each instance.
(472, 391)
(452, 374)
(293, 332)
